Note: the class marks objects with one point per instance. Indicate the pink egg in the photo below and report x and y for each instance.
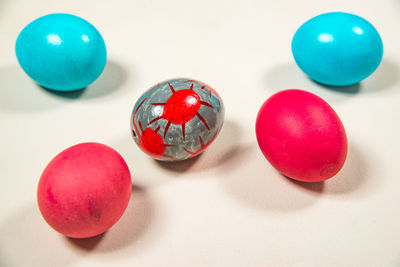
(84, 190)
(301, 136)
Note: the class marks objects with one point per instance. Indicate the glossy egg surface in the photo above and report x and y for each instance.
(177, 119)
(337, 49)
(62, 52)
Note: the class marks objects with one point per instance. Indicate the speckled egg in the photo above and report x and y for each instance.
(177, 119)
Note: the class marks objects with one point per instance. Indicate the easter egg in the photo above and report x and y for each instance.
(84, 190)
(301, 136)
(177, 119)
(337, 49)
(61, 52)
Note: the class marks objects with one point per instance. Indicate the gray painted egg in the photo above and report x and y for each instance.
(177, 119)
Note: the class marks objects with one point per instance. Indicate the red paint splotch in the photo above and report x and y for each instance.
(149, 140)
(181, 107)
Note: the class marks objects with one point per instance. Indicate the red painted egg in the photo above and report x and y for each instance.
(301, 136)
(84, 190)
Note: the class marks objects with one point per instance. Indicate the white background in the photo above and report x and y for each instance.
(228, 207)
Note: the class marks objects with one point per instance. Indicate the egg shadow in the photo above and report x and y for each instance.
(384, 78)
(63, 94)
(317, 187)
(27, 240)
(258, 186)
(350, 89)
(178, 166)
(351, 178)
(223, 152)
(356, 176)
(133, 224)
(290, 76)
(111, 80)
(26, 233)
(3, 3)
(88, 244)
(20, 93)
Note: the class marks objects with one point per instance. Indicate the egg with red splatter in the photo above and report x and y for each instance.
(84, 190)
(301, 136)
(177, 119)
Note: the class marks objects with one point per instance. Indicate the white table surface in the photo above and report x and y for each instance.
(228, 207)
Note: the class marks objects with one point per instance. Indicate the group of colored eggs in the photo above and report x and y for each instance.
(86, 188)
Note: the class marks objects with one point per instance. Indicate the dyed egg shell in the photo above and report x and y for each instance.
(84, 190)
(301, 136)
(337, 49)
(177, 119)
(61, 52)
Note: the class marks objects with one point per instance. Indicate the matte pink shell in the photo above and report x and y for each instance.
(84, 190)
(301, 136)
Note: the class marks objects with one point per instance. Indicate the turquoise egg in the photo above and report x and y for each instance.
(62, 52)
(337, 49)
